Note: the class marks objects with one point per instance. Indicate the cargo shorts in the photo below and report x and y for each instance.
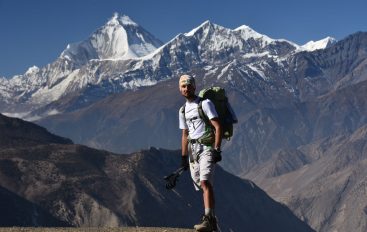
(202, 165)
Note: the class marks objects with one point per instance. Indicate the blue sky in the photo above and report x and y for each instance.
(35, 32)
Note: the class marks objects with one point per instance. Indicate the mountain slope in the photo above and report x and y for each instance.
(16, 131)
(323, 181)
(328, 192)
(130, 116)
(81, 186)
(16, 211)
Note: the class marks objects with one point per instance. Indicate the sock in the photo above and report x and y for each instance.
(209, 212)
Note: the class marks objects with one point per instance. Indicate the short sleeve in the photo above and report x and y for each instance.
(182, 121)
(209, 109)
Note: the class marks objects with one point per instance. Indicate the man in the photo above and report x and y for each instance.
(204, 141)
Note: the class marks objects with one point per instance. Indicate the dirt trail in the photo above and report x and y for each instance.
(101, 229)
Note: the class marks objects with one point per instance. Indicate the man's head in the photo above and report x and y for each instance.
(187, 86)
(187, 80)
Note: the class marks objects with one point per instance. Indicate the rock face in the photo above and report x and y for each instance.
(81, 186)
(334, 175)
(323, 182)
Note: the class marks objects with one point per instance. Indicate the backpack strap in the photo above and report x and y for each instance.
(207, 138)
(202, 115)
(200, 110)
(182, 110)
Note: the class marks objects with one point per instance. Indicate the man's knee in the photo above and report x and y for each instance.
(205, 184)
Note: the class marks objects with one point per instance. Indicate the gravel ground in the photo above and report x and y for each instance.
(102, 229)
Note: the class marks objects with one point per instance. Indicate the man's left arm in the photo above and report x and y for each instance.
(211, 113)
(218, 133)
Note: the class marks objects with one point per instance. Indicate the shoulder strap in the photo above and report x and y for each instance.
(202, 114)
(182, 109)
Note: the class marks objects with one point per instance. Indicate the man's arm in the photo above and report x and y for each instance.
(211, 113)
(218, 132)
(184, 142)
(184, 148)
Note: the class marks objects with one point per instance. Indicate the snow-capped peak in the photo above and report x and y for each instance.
(32, 70)
(125, 20)
(212, 37)
(122, 20)
(244, 32)
(114, 20)
(320, 44)
(119, 38)
(248, 32)
(203, 25)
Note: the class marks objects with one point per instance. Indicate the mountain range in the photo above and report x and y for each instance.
(46, 180)
(122, 56)
(295, 105)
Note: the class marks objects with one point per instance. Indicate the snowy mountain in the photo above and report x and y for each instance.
(321, 44)
(115, 43)
(121, 38)
(121, 55)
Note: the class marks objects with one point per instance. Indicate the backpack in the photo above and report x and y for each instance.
(225, 112)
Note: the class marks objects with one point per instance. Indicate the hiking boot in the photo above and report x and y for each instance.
(207, 224)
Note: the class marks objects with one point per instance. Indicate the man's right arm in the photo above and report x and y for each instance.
(184, 142)
(184, 148)
(184, 139)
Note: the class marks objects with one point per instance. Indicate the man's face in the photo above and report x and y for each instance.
(187, 90)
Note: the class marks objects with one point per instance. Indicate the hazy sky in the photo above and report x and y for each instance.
(35, 32)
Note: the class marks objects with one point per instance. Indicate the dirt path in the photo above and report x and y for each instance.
(102, 229)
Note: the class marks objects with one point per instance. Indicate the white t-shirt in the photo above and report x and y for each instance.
(193, 122)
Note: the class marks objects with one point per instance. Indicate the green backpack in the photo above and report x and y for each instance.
(226, 115)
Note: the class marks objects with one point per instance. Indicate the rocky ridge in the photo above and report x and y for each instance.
(83, 187)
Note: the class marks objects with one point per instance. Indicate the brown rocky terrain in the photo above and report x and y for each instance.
(83, 187)
(123, 229)
(324, 182)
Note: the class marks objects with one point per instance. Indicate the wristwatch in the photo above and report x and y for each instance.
(217, 149)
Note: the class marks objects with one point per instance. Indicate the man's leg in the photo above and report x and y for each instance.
(207, 168)
(208, 221)
(208, 196)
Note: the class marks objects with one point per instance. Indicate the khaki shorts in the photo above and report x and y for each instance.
(203, 167)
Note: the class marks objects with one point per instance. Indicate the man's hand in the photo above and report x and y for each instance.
(217, 155)
(184, 162)
(171, 180)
